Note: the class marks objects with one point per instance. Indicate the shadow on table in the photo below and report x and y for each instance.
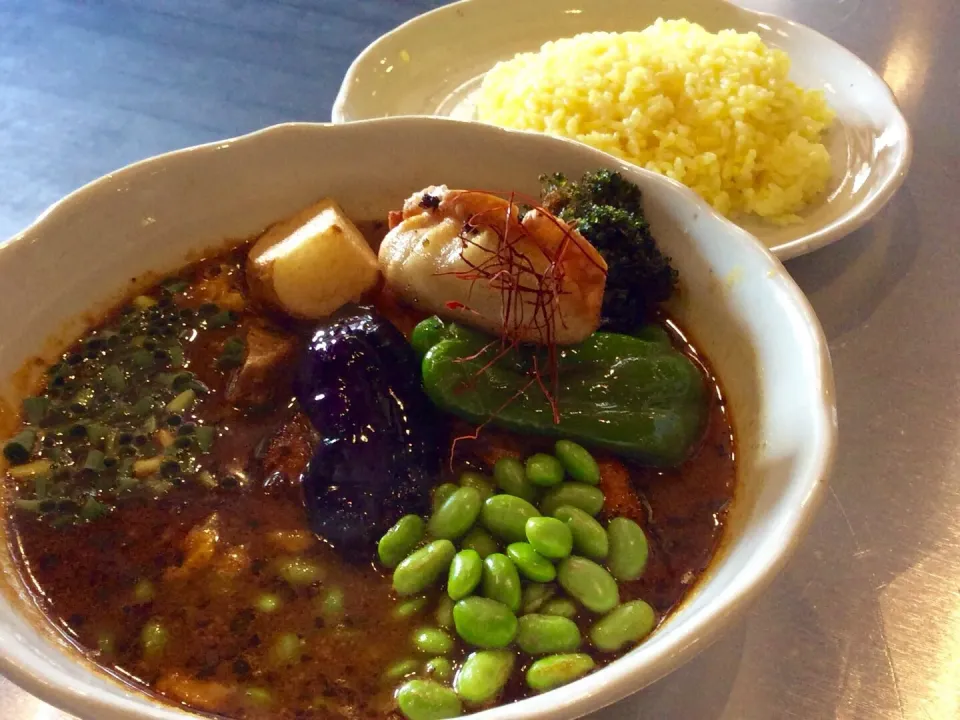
(847, 280)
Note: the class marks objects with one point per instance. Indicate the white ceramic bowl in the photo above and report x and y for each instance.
(740, 305)
(432, 65)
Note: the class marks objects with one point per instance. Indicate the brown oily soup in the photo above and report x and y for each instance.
(211, 592)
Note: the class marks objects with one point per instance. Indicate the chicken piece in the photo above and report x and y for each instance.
(262, 374)
(620, 498)
(199, 548)
(313, 263)
(468, 256)
(203, 694)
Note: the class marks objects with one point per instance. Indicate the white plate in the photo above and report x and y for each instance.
(432, 64)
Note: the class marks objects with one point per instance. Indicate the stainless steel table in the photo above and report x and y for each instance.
(865, 622)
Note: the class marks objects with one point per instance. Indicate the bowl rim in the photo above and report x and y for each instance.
(599, 689)
(853, 219)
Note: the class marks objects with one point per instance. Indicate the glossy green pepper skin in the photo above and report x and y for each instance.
(636, 396)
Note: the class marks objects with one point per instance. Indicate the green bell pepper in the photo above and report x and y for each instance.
(633, 395)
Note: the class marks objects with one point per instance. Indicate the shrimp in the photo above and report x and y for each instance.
(474, 257)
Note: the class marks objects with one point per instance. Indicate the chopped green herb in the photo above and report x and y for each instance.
(222, 319)
(182, 401)
(35, 409)
(17, 450)
(175, 285)
(233, 353)
(114, 378)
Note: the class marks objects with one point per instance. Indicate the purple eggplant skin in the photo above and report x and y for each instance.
(382, 448)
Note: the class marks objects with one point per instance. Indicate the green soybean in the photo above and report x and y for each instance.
(400, 540)
(154, 637)
(501, 581)
(562, 607)
(630, 622)
(589, 537)
(546, 634)
(444, 612)
(409, 608)
(479, 482)
(628, 549)
(530, 563)
(577, 461)
(440, 668)
(466, 571)
(485, 623)
(555, 670)
(535, 595)
(543, 470)
(300, 572)
(441, 493)
(457, 514)
(400, 669)
(258, 696)
(428, 700)
(549, 537)
(483, 675)
(268, 602)
(588, 583)
(586, 497)
(480, 540)
(432, 641)
(287, 649)
(423, 567)
(506, 517)
(511, 477)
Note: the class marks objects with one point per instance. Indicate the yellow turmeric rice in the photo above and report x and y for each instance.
(713, 111)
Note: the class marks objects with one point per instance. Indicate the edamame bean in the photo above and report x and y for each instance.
(409, 608)
(512, 479)
(484, 622)
(588, 583)
(154, 636)
(555, 670)
(480, 540)
(577, 461)
(562, 607)
(628, 549)
(549, 537)
(543, 470)
(479, 482)
(332, 605)
(483, 675)
(466, 570)
(432, 641)
(506, 516)
(535, 595)
(267, 602)
(586, 497)
(589, 537)
(422, 568)
(441, 493)
(444, 612)
(530, 563)
(287, 649)
(300, 572)
(400, 669)
(456, 515)
(440, 668)
(400, 540)
(428, 700)
(546, 634)
(501, 582)
(631, 622)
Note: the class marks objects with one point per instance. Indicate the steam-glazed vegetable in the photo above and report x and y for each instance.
(381, 450)
(636, 397)
(312, 264)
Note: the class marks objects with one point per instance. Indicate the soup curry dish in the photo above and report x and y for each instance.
(413, 468)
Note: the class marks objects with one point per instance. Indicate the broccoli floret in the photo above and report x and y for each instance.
(607, 210)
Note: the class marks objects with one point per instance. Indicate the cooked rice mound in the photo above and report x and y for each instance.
(714, 111)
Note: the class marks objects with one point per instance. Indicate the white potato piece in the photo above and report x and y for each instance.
(312, 264)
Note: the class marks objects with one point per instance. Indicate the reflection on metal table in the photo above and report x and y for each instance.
(865, 621)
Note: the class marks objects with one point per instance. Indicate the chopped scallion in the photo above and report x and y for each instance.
(114, 378)
(92, 509)
(175, 285)
(18, 449)
(35, 409)
(30, 470)
(182, 401)
(142, 302)
(94, 461)
(205, 435)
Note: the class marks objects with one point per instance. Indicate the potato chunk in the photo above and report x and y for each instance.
(312, 264)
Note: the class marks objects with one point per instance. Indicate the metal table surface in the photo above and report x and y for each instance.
(865, 621)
